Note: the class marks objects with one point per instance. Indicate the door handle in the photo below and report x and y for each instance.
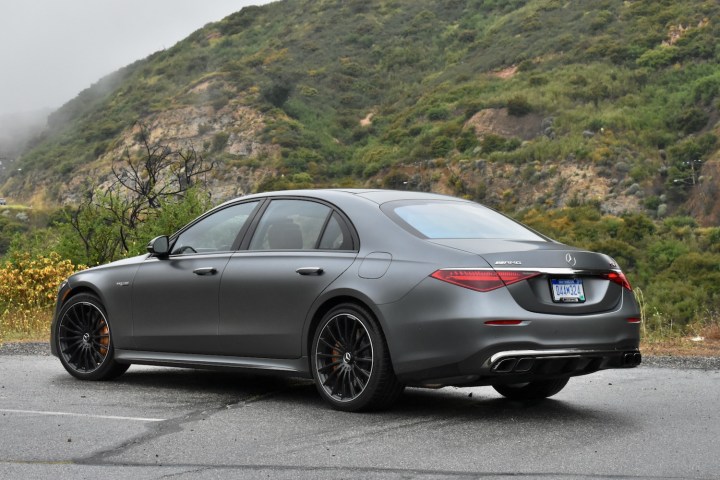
(205, 271)
(310, 270)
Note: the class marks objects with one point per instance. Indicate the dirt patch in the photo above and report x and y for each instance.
(498, 121)
(505, 73)
(684, 347)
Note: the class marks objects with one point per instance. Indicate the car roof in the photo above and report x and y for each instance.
(378, 196)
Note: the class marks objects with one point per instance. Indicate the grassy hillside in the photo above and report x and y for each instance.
(625, 91)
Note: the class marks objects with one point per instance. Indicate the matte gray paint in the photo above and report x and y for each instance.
(257, 311)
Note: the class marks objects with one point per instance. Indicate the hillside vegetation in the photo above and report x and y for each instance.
(625, 91)
(595, 122)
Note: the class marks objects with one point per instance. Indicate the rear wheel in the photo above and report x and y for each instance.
(84, 340)
(351, 363)
(532, 390)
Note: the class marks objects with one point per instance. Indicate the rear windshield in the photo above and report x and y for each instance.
(448, 219)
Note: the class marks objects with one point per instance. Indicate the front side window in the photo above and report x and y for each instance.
(216, 232)
(446, 219)
(290, 225)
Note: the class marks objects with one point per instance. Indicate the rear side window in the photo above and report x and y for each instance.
(448, 219)
(337, 236)
(290, 225)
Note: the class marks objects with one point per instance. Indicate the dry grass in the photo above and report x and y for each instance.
(25, 326)
(705, 343)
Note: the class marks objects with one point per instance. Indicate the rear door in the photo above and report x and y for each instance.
(298, 248)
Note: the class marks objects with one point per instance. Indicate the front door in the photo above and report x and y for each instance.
(175, 299)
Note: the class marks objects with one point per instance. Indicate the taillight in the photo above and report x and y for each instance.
(482, 280)
(619, 278)
(503, 322)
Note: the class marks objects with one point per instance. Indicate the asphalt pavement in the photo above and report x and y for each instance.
(650, 422)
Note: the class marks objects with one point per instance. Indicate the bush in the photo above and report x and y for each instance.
(437, 113)
(495, 143)
(441, 146)
(28, 290)
(689, 120)
(518, 106)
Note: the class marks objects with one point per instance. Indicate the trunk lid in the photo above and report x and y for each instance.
(569, 281)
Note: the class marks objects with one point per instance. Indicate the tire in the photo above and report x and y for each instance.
(350, 361)
(84, 341)
(532, 390)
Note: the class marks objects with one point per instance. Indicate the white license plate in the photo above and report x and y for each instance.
(567, 290)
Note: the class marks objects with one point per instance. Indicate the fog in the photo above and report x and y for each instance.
(50, 50)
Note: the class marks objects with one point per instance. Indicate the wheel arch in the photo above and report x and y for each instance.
(328, 303)
(74, 291)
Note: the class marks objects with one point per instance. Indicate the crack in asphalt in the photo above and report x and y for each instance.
(170, 426)
(371, 433)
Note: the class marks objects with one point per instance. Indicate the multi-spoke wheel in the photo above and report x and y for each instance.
(83, 340)
(351, 363)
(532, 390)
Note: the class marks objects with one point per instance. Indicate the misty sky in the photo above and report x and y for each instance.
(50, 50)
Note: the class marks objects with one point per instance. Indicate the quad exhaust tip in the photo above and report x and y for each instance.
(632, 359)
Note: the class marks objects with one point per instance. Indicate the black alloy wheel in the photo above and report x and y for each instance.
(84, 341)
(351, 363)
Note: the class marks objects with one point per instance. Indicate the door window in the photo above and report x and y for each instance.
(216, 232)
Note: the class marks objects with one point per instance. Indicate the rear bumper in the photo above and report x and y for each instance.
(439, 336)
(519, 366)
(570, 361)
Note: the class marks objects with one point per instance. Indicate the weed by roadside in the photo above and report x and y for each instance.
(28, 288)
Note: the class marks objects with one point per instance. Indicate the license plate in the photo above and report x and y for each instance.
(567, 290)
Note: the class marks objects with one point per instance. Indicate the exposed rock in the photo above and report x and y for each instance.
(192, 127)
(497, 121)
(703, 202)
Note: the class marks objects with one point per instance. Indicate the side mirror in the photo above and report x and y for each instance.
(159, 246)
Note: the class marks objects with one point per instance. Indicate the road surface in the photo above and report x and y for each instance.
(154, 422)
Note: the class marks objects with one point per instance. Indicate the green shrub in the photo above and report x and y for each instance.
(441, 146)
(518, 106)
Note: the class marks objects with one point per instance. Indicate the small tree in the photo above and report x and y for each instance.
(107, 223)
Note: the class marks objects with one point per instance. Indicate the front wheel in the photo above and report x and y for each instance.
(531, 390)
(84, 341)
(351, 363)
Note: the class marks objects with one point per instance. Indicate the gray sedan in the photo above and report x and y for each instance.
(365, 291)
